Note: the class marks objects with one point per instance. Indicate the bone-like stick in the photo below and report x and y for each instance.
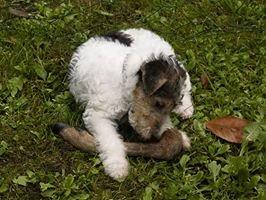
(166, 148)
(169, 145)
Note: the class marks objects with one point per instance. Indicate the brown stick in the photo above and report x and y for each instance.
(166, 148)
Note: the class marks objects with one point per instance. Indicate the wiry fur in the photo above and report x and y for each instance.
(103, 76)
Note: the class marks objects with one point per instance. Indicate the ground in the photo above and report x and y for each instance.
(222, 43)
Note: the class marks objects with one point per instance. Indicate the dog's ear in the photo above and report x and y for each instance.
(153, 76)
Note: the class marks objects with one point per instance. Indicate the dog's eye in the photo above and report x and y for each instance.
(160, 105)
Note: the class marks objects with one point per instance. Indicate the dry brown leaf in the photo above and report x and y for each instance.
(229, 128)
(204, 81)
(19, 13)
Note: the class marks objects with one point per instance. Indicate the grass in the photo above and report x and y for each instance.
(222, 40)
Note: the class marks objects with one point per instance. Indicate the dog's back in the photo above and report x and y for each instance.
(96, 73)
(146, 43)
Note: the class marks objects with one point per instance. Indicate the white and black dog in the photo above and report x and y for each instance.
(131, 71)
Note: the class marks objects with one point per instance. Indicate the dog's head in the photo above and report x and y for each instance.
(155, 95)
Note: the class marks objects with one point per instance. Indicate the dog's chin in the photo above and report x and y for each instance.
(144, 133)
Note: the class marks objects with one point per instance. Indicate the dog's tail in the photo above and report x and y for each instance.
(80, 139)
(58, 128)
(185, 141)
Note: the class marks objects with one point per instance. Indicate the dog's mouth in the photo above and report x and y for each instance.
(141, 126)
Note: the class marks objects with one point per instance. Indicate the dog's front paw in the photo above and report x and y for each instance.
(116, 167)
(185, 111)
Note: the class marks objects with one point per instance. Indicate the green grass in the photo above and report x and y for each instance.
(224, 40)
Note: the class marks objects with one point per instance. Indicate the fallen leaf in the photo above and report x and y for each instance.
(19, 13)
(204, 81)
(229, 128)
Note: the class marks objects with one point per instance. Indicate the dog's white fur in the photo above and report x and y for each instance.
(103, 77)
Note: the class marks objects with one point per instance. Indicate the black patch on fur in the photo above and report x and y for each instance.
(167, 90)
(160, 68)
(58, 127)
(121, 37)
(153, 71)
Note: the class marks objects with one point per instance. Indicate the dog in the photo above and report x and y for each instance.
(132, 72)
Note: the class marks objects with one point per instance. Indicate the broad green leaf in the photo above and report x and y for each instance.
(15, 84)
(21, 180)
(147, 193)
(225, 169)
(254, 181)
(32, 176)
(48, 193)
(183, 161)
(94, 170)
(163, 20)
(154, 185)
(40, 71)
(223, 149)
(255, 131)
(68, 181)
(214, 169)
(45, 186)
(199, 127)
(197, 178)
(20, 68)
(191, 58)
(67, 192)
(3, 187)
(3, 147)
(209, 57)
(141, 179)
(30, 173)
(69, 18)
(96, 161)
(263, 178)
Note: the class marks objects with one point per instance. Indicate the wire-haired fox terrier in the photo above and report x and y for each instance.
(132, 72)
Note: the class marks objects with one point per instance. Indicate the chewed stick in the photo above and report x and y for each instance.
(169, 145)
